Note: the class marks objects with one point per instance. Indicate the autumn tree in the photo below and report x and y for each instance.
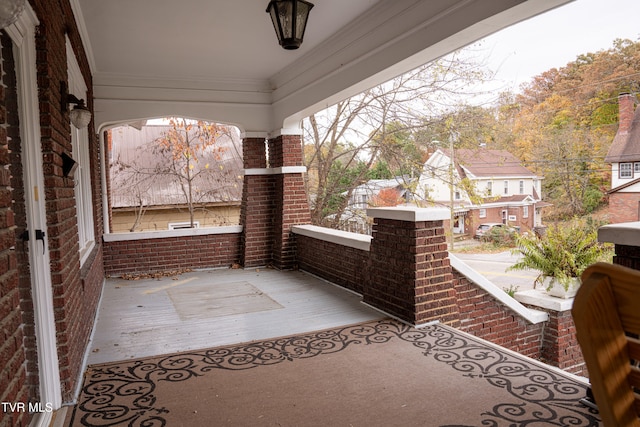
(387, 197)
(189, 161)
(566, 119)
(376, 128)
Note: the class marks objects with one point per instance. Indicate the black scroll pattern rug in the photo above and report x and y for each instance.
(379, 373)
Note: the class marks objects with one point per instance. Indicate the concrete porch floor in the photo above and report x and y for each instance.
(202, 309)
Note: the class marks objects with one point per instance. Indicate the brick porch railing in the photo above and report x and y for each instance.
(405, 270)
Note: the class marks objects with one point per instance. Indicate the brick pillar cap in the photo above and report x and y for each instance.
(409, 213)
(626, 233)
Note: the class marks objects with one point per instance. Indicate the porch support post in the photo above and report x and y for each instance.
(291, 206)
(256, 211)
(410, 274)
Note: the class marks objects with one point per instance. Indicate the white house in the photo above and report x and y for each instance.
(624, 156)
(487, 186)
(362, 195)
(355, 217)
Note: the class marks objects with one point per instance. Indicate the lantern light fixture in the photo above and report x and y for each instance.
(289, 18)
(10, 10)
(79, 115)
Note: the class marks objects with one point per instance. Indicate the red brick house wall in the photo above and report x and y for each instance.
(76, 289)
(75, 297)
(624, 207)
(495, 215)
(14, 381)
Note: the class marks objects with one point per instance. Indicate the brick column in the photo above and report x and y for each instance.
(291, 206)
(256, 211)
(559, 345)
(626, 238)
(410, 273)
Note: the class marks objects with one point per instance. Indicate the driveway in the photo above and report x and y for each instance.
(494, 267)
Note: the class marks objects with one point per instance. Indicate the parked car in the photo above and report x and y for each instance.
(484, 229)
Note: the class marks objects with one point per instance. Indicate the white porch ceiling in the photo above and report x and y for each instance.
(220, 60)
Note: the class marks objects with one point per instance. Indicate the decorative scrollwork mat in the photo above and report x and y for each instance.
(378, 373)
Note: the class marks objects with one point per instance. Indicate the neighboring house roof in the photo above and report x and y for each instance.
(484, 163)
(517, 198)
(626, 144)
(373, 186)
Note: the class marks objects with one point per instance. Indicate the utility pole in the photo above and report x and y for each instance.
(452, 206)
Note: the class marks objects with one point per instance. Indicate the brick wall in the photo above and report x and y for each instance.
(344, 266)
(624, 207)
(75, 296)
(484, 317)
(13, 362)
(171, 253)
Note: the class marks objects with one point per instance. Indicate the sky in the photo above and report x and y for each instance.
(553, 39)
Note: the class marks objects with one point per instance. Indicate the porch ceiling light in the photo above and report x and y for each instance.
(79, 115)
(9, 11)
(289, 18)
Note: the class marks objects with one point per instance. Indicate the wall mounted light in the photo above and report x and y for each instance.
(79, 115)
(289, 18)
(10, 10)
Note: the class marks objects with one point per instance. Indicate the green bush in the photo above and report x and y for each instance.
(564, 252)
(501, 237)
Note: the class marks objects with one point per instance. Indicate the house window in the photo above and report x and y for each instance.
(183, 225)
(636, 168)
(457, 195)
(80, 153)
(521, 187)
(363, 200)
(506, 188)
(525, 212)
(489, 188)
(626, 170)
(482, 213)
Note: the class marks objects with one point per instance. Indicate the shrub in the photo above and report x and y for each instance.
(501, 236)
(563, 253)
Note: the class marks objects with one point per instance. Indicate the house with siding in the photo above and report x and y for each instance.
(482, 185)
(624, 157)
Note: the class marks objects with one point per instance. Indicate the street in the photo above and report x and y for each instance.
(493, 266)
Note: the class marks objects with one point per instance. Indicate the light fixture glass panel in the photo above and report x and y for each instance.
(273, 11)
(301, 19)
(286, 16)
